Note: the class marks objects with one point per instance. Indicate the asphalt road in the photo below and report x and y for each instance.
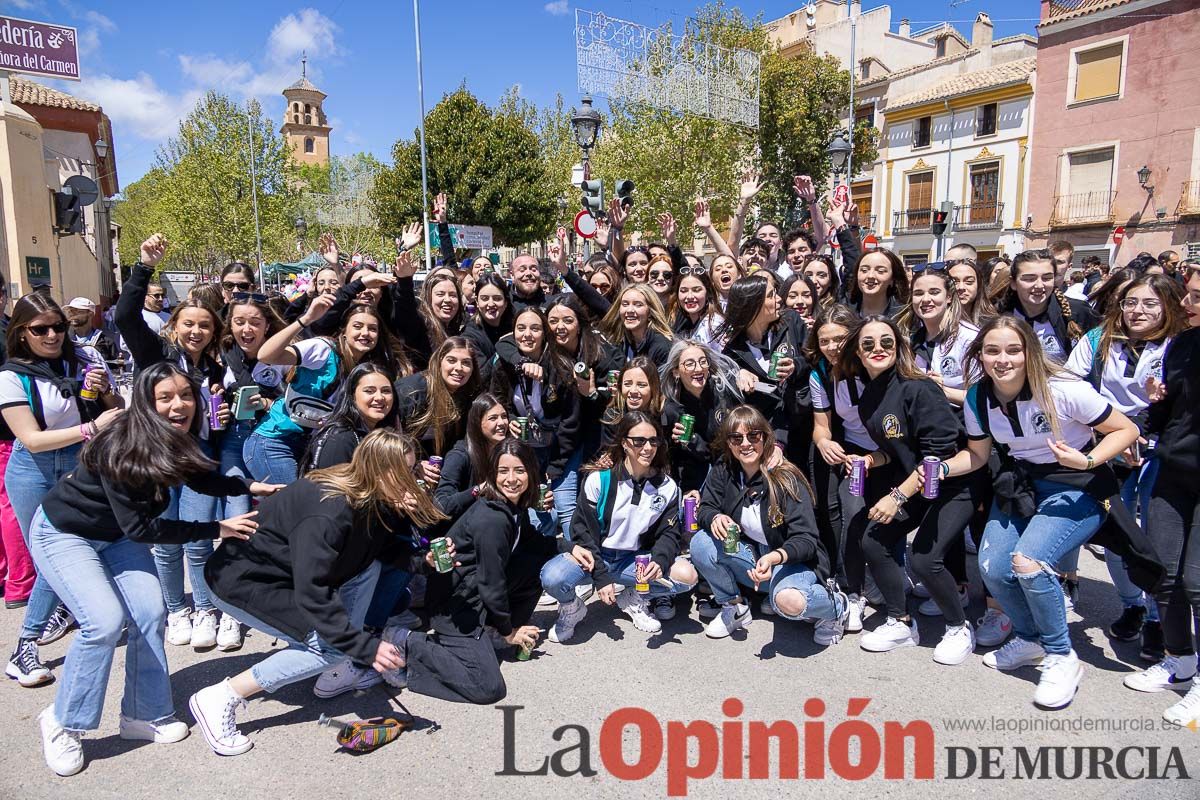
(772, 668)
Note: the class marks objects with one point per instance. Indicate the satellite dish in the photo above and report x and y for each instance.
(84, 188)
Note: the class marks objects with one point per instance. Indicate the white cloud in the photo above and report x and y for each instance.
(309, 31)
(100, 21)
(23, 5)
(139, 105)
(558, 8)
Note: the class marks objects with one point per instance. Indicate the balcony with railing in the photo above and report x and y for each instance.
(978, 216)
(866, 222)
(1189, 200)
(1084, 208)
(914, 220)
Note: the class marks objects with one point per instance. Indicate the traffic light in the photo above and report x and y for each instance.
(593, 197)
(940, 218)
(68, 213)
(624, 192)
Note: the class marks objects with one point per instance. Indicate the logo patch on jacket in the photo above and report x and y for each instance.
(775, 516)
(891, 427)
(658, 502)
(949, 367)
(1041, 423)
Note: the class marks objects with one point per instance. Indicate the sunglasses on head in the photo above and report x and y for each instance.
(753, 437)
(249, 297)
(44, 330)
(639, 442)
(934, 266)
(688, 269)
(886, 343)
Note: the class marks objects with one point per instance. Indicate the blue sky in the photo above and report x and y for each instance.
(148, 62)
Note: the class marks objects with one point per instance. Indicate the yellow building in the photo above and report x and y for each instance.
(305, 125)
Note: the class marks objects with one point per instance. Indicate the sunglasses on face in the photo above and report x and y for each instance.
(954, 262)
(753, 437)
(887, 344)
(238, 286)
(659, 274)
(935, 266)
(156, 295)
(249, 297)
(41, 331)
(688, 269)
(639, 442)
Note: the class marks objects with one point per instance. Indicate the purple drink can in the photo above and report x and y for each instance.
(642, 561)
(214, 420)
(933, 476)
(689, 515)
(858, 477)
(435, 461)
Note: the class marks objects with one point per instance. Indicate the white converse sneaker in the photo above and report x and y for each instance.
(345, 677)
(204, 629)
(1166, 674)
(215, 709)
(164, 731)
(733, 616)
(62, 748)
(829, 631)
(545, 601)
(179, 627)
(930, 608)
(1015, 653)
(993, 628)
(957, 643)
(229, 634)
(1060, 679)
(1186, 713)
(854, 613)
(569, 615)
(891, 635)
(638, 609)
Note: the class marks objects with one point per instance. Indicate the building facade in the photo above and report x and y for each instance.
(305, 126)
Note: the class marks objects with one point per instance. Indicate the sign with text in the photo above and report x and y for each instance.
(37, 270)
(39, 48)
(471, 237)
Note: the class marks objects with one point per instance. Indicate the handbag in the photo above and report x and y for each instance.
(305, 411)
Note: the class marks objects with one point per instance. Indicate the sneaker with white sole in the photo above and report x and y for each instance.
(546, 601)
(733, 616)
(891, 635)
(179, 627)
(215, 709)
(1016, 653)
(830, 631)
(957, 643)
(663, 607)
(584, 591)
(163, 731)
(854, 613)
(930, 607)
(204, 629)
(638, 609)
(1169, 673)
(25, 667)
(59, 624)
(229, 634)
(1185, 713)
(993, 628)
(569, 615)
(345, 677)
(62, 748)
(1061, 674)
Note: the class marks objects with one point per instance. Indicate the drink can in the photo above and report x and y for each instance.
(1137, 451)
(524, 652)
(841, 194)
(523, 427)
(689, 515)
(773, 371)
(933, 476)
(435, 461)
(214, 421)
(689, 424)
(581, 371)
(858, 477)
(441, 554)
(642, 561)
(422, 485)
(614, 377)
(543, 504)
(471, 309)
(84, 392)
(733, 535)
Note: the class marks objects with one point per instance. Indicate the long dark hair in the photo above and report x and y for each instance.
(25, 311)
(615, 452)
(439, 331)
(898, 287)
(589, 341)
(141, 450)
(836, 314)
(1105, 293)
(346, 416)
(524, 452)
(498, 283)
(386, 352)
(443, 407)
(746, 297)
(1010, 301)
(1113, 328)
(274, 323)
(479, 447)
(786, 478)
(834, 291)
(850, 365)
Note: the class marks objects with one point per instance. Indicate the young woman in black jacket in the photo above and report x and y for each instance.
(879, 284)
(366, 402)
(465, 467)
(777, 538)
(306, 576)
(433, 404)
(493, 318)
(637, 324)
(89, 541)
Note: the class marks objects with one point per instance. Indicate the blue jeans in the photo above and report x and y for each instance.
(390, 588)
(560, 575)
(725, 572)
(28, 477)
(233, 462)
(307, 659)
(191, 506)
(110, 587)
(1065, 519)
(274, 460)
(566, 492)
(1135, 494)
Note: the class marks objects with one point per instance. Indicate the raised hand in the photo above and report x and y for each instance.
(804, 188)
(410, 237)
(666, 222)
(602, 234)
(328, 248)
(153, 249)
(316, 309)
(441, 206)
(616, 214)
(703, 218)
(751, 184)
(405, 267)
(558, 256)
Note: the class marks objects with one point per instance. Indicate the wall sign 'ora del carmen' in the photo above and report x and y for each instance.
(39, 48)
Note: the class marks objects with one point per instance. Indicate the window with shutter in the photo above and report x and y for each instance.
(922, 132)
(1098, 72)
(920, 199)
(985, 192)
(985, 120)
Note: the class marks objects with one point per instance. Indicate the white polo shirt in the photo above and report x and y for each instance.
(1024, 426)
(847, 411)
(1122, 382)
(1046, 335)
(630, 522)
(948, 358)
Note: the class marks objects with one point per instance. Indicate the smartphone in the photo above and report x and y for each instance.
(242, 407)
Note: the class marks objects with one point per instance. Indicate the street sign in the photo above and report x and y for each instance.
(585, 224)
(871, 242)
(39, 48)
(473, 237)
(37, 270)
(1119, 235)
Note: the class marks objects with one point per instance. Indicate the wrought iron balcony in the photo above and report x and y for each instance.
(1085, 208)
(914, 220)
(978, 216)
(1189, 200)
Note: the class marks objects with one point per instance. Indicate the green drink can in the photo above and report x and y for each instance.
(582, 372)
(441, 554)
(773, 372)
(614, 377)
(733, 535)
(689, 423)
(524, 653)
(523, 427)
(422, 485)
(543, 504)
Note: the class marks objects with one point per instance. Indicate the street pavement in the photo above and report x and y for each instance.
(773, 668)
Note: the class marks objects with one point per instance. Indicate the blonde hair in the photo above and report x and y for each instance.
(614, 330)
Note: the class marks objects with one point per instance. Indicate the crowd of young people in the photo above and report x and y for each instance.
(761, 435)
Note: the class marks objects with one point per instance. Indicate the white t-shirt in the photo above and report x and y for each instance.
(751, 521)
(948, 359)
(1046, 335)
(60, 412)
(312, 353)
(1077, 406)
(852, 424)
(1126, 393)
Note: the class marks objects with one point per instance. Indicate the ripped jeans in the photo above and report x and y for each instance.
(1066, 518)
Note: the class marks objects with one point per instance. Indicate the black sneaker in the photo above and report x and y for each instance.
(1070, 590)
(25, 667)
(11, 604)
(707, 607)
(663, 607)
(1153, 647)
(61, 621)
(1129, 625)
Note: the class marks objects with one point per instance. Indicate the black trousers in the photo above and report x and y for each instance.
(1174, 527)
(461, 669)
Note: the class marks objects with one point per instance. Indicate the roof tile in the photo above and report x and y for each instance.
(998, 75)
(34, 94)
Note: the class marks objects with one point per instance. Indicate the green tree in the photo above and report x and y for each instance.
(488, 161)
(338, 200)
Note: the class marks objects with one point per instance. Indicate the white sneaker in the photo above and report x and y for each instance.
(215, 708)
(545, 601)
(1060, 679)
(204, 629)
(1015, 653)
(891, 635)
(1186, 713)
(345, 677)
(993, 628)
(229, 634)
(584, 591)
(569, 615)
(854, 613)
(179, 627)
(62, 748)
(733, 616)
(829, 631)
(164, 731)
(957, 643)
(1166, 674)
(638, 609)
(930, 608)
(871, 591)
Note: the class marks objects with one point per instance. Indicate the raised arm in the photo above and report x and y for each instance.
(704, 223)
(145, 345)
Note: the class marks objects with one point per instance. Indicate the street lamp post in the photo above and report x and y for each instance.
(585, 124)
(838, 151)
